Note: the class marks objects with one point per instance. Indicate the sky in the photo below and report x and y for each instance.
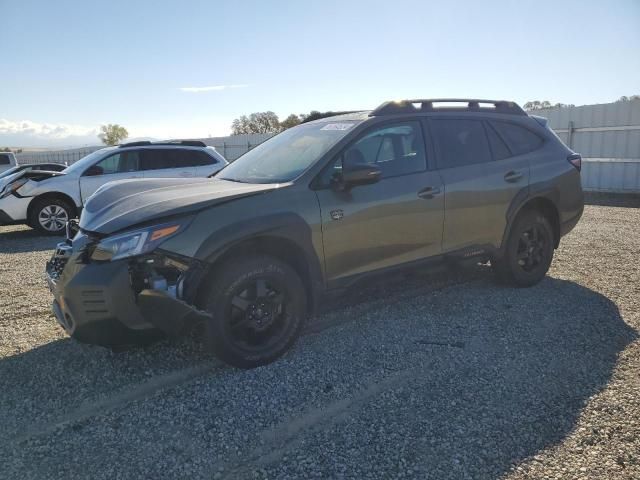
(186, 69)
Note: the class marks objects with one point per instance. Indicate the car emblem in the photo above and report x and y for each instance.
(336, 214)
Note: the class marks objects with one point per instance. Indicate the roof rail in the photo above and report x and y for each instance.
(135, 144)
(184, 143)
(466, 104)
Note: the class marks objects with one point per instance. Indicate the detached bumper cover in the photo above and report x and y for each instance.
(95, 303)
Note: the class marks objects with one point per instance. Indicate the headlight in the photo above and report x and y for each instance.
(12, 187)
(137, 242)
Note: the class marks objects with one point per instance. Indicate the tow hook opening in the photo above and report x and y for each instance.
(159, 284)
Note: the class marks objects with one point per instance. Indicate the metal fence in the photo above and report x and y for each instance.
(230, 147)
(607, 136)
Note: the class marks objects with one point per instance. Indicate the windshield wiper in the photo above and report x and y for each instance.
(233, 180)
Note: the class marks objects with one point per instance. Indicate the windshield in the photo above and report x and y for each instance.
(85, 161)
(287, 155)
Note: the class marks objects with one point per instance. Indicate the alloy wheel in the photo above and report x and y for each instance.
(532, 246)
(53, 218)
(257, 314)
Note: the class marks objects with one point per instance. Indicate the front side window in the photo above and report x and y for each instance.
(396, 150)
(287, 155)
(121, 162)
(519, 139)
(461, 142)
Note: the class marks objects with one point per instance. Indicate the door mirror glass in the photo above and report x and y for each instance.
(354, 175)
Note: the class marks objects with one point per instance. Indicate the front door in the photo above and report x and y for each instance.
(118, 166)
(396, 220)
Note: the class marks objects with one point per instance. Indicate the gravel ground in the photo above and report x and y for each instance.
(432, 376)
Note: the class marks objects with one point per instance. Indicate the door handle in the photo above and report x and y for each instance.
(429, 192)
(512, 176)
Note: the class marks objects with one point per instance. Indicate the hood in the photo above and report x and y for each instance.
(35, 175)
(126, 203)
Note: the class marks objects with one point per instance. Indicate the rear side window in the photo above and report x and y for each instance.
(4, 159)
(461, 142)
(519, 139)
(194, 158)
(498, 147)
(174, 158)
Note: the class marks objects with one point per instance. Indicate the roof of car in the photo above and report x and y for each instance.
(357, 116)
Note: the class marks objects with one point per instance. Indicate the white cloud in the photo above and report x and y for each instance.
(211, 88)
(44, 130)
(28, 133)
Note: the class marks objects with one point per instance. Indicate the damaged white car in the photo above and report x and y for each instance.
(46, 200)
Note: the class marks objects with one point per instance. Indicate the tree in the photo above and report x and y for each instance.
(291, 121)
(316, 115)
(628, 99)
(538, 105)
(259, 122)
(112, 134)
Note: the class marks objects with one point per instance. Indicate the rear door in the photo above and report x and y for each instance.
(481, 176)
(117, 166)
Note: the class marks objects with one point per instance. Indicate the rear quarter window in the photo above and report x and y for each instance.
(4, 159)
(519, 139)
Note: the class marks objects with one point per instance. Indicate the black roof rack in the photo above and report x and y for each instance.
(465, 104)
(184, 143)
(135, 144)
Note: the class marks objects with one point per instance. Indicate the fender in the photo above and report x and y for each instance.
(546, 190)
(289, 231)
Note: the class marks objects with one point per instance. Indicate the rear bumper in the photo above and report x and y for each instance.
(13, 210)
(568, 225)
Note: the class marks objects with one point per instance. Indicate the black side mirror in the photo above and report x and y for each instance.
(94, 170)
(354, 175)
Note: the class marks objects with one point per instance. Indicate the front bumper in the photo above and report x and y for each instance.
(13, 209)
(95, 302)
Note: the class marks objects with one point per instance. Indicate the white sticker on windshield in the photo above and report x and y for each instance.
(337, 126)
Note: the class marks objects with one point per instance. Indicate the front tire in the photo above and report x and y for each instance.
(258, 308)
(528, 251)
(50, 216)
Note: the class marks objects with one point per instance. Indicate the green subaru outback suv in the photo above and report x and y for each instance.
(251, 252)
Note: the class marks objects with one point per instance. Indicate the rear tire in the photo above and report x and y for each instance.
(258, 307)
(50, 215)
(528, 251)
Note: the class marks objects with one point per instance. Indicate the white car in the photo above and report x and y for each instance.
(7, 161)
(47, 200)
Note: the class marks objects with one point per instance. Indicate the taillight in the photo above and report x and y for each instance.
(575, 160)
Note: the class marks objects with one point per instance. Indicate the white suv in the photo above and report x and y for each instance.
(46, 200)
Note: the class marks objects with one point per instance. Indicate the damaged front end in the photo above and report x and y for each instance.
(159, 282)
(107, 288)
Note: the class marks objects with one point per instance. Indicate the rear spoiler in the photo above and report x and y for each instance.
(541, 120)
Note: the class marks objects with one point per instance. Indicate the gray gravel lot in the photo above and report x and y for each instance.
(432, 376)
